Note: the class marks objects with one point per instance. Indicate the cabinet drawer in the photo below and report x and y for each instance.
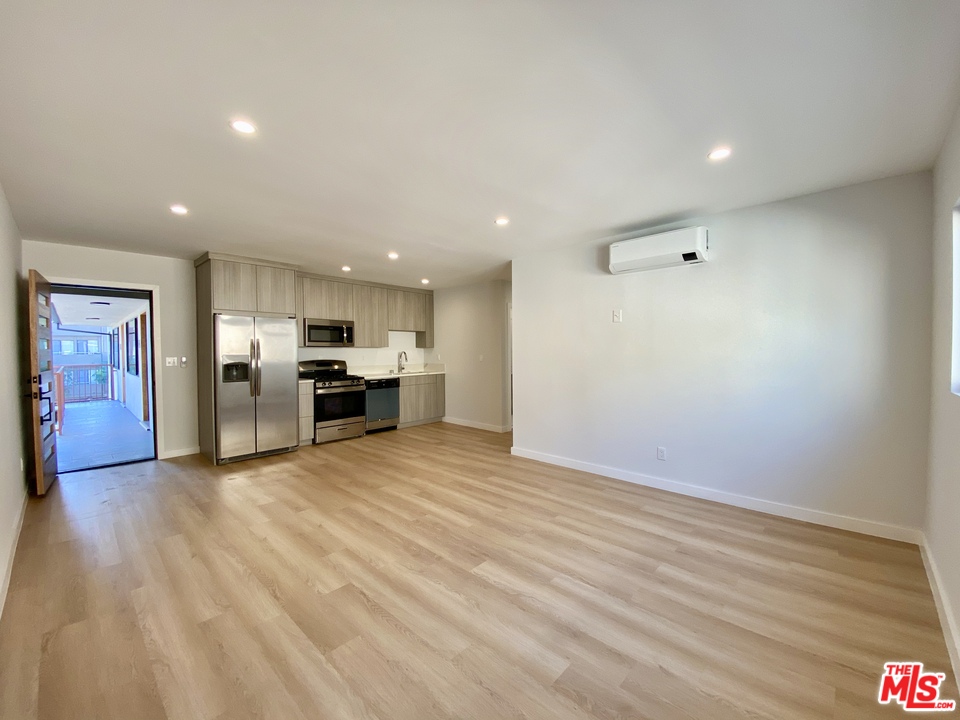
(417, 379)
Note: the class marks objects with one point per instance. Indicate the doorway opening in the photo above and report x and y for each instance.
(103, 375)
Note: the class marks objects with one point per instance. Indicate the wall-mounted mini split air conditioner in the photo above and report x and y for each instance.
(678, 247)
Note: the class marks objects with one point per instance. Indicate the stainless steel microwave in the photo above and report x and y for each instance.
(327, 333)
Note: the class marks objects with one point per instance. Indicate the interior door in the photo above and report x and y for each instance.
(278, 390)
(43, 438)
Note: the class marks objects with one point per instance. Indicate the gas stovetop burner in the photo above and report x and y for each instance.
(328, 373)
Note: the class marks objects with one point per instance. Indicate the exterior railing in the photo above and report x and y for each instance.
(85, 382)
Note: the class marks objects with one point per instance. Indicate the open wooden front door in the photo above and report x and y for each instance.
(42, 391)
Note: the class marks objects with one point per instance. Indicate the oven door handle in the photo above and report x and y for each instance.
(331, 390)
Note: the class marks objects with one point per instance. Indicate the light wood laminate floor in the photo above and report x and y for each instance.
(427, 573)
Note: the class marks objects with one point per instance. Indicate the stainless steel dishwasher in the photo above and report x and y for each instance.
(383, 403)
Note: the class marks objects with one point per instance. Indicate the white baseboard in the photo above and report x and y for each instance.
(180, 452)
(8, 573)
(819, 517)
(477, 425)
(951, 632)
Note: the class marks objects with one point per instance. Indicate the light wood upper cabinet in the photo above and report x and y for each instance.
(234, 285)
(395, 310)
(326, 299)
(237, 286)
(370, 316)
(407, 310)
(425, 338)
(276, 290)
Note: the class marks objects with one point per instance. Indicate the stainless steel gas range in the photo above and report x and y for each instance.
(339, 405)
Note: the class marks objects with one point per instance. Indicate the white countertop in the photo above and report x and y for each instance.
(377, 375)
(381, 371)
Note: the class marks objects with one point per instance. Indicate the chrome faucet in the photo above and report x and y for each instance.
(401, 359)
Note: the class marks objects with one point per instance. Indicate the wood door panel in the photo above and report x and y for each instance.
(42, 411)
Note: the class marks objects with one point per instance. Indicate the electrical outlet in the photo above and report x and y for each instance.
(661, 453)
(171, 362)
(618, 316)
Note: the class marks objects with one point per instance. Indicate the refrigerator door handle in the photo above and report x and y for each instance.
(253, 370)
(259, 369)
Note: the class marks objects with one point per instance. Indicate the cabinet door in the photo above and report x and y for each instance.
(370, 321)
(395, 310)
(440, 401)
(407, 310)
(327, 300)
(416, 311)
(425, 338)
(276, 290)
(234, 285)
(428, 398)
(411, 402)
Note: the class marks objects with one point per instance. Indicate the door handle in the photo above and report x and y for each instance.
(259, 370)
(48, 415)
(253, 370)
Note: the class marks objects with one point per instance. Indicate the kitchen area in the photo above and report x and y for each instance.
(288, 359)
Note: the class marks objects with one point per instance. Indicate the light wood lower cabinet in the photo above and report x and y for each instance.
(422, 399)
(306, 412)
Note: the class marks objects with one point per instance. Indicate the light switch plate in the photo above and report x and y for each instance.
(170, 362)
(183, 361)
(618, 316)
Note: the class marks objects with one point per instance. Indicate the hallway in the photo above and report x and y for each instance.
(101, 432)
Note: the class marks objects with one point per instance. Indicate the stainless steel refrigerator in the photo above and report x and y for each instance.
(256, 392)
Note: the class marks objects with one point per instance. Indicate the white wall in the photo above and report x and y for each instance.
(790, 374)
(12, 385)
(470, 340)
(174, 284)
(943, 507)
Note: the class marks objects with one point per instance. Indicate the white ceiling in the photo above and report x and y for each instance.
(410, 126)
(75, 309)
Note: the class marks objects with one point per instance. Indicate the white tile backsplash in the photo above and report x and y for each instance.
(371, 357)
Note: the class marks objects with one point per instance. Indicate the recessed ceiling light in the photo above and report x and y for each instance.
(178, 210)
(425, 281)
(99, 302)
(719, 153)
(346, 268)
(501, 221)
(244, 127)
(392, 255)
